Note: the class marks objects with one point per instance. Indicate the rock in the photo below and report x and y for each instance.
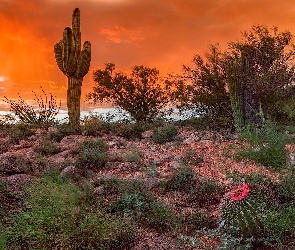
(70, 171)
(13, 163)
(16, 184)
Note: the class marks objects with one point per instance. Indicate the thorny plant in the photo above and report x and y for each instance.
(45, 113)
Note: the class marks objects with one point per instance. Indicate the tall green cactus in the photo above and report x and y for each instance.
(74, 63)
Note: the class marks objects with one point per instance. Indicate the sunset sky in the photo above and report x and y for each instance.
(157, 33)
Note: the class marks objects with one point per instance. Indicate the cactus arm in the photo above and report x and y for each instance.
(58, 56)
(84, 60)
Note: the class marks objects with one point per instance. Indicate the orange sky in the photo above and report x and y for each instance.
(155, 33)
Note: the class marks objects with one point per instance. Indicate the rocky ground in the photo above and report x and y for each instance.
(208, 153)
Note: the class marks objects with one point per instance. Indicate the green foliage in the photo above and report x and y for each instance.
(279, 225)
(204, 85)
(134, 155)
(94, 126)
(141, 94)
(55, 218)
(161, 217)
(265, 57)
(63, 130)
(20, 131)
(165, 134)
(133, 204)
(268, 147)
(183, 180)
(129, 130)
(115, 186)
(92, 154)
(43, 116)
(46, 147)
(199, 220)
(286, 188)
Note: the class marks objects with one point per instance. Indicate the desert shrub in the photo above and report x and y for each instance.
(133, 204)
(183, 180)
(46, 147)
(115, 186)
(92, 154)
(279, 226)
(20, 131)
(286, 188)
(54, 218)
(161, 217)
(268, 147)
(96, 144)
(134, 155)
(43, 116)
(199, 220)
(165, 134)
(93, 126)
(191, 158)
(63, 130)
(129, 130)
(209, 187)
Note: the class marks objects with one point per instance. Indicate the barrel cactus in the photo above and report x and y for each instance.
(74, 63)
(243, 209)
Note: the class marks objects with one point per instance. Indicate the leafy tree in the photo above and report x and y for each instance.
(260, 65)
(204, 84)
(264, 59)
(142, 94)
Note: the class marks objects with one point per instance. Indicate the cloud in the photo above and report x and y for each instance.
(155, 33)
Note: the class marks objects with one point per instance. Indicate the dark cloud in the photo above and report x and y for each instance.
(156, 33)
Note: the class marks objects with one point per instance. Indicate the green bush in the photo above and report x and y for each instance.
(165, 134)
(199, 220)
(115, 186)
(129, 130)
(268, 147)
(92, 154)
(20, 131)
(183, 180)
(63, 130)
(279, 226)
(93, 126)
(286, 188)
(134, 155)
(90, 159)
(96, 144)
(46, 147)
(54, 218)
(133, 204)
(161, 217)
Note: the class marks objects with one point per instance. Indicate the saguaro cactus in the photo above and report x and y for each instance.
(74, 63)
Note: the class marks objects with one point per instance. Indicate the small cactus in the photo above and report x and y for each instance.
(242, 209)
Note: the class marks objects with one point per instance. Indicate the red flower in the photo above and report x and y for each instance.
(240, 193)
